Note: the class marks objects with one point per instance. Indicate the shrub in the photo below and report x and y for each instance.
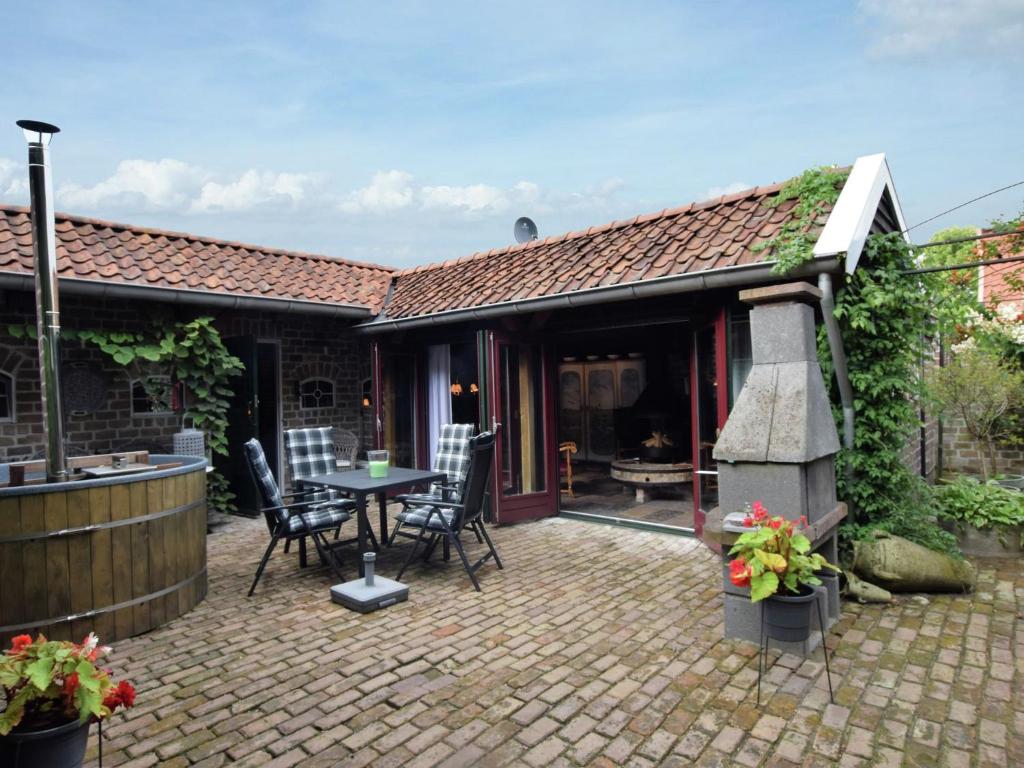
(985, 505)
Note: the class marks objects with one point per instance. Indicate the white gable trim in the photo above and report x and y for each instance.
(849, 224)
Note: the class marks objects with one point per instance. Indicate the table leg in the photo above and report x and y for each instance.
(361, 523)
(382, 499)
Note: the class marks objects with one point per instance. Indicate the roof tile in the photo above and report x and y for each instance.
(102, 250)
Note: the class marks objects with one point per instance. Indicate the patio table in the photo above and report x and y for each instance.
(359, 483)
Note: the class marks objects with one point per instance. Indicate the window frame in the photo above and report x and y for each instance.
(8, 379)
(330, 391)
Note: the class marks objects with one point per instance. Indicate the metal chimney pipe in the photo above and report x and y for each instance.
(44, 248)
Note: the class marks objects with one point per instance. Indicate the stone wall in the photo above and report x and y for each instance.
(961, 454)
(310, 347)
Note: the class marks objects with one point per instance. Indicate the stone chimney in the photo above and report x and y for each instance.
(779, 443)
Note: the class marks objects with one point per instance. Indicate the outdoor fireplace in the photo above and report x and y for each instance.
(779, 443)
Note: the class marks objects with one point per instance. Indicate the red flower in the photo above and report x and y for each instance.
(748, 522)
(123, 695)
(775, 523)
(70, 685)
(19, 642)
(760, 513)
(127, 693)
(740, 572)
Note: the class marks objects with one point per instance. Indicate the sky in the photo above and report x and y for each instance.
(405, 133)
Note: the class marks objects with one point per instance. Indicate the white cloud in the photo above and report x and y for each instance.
(390, 191)
(728, 189)
(172, 185)
(13, 181)
(160, 184)
(252, 189)
(387, 191)
(909, 28)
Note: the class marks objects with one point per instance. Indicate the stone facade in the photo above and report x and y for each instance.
(961, 454)
(310, 347)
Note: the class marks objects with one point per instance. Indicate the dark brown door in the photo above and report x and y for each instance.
(520, 382)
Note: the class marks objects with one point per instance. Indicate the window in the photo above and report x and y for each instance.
(154, 395)
(6, 397)
(316, 393)
(741, 356)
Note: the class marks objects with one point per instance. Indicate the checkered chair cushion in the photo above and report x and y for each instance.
(452, 455)
(326, 516)
(270, 494)
(323, 517)
(310, 451)
(417, 516)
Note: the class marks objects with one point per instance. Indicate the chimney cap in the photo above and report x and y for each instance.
(40, 128)
(787, 292)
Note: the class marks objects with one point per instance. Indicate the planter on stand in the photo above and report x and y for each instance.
(788, 618)
(59, 747)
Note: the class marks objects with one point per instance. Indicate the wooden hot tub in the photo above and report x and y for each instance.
(119, 556)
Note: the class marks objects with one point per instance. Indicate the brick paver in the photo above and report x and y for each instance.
(596, 645)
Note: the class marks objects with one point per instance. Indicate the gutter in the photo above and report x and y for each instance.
(725, 277)
(835, 343)
(103, 290)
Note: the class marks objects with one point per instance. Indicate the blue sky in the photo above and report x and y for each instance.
(409, 132)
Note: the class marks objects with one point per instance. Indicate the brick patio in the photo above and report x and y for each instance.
(595, 645)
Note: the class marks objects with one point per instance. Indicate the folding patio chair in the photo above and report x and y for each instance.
(310, 451)
(297, 519)
(452, 458)
(445, 520)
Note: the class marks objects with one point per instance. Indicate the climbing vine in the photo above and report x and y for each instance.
(886, 320)
(190, 352)
(816, 191)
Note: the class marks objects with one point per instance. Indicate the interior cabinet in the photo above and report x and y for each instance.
(588, 394)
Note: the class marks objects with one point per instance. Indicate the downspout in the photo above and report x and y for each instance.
(835, 344)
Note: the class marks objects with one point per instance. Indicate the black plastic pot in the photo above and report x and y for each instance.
(60, 747)
(788, 617)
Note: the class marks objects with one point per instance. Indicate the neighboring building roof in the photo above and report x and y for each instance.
(698, 237)
(105, 252)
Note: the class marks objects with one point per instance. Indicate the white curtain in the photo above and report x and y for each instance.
(439, 397)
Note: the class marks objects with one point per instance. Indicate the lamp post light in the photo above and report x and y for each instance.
(44, 249)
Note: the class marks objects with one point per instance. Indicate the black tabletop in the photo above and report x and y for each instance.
(359, 480)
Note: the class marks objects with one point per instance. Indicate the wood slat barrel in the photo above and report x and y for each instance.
(118, 556)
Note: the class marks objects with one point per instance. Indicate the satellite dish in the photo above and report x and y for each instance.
(525, 230)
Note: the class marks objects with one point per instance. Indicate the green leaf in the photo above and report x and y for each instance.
(40, 672)
(800, 543)
(771, 560)
(763, 586)
(123, 356)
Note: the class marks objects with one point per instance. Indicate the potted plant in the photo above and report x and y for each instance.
(987, 517)
(54, 691)
(774, 561)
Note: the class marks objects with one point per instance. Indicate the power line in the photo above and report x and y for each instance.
(958, 207)
(982, 236)
(967, 265)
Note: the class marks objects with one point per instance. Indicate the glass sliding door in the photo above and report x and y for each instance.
(522, 414)
(394, 394)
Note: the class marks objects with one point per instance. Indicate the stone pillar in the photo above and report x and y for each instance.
(779, 443)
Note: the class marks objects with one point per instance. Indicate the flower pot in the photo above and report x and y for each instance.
(1016, 482)
(997, 541)
(788, 617)
(60, 747)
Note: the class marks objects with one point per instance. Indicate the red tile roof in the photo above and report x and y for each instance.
(90, 249)
(697, 237)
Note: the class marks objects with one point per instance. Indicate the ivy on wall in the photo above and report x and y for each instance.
(884, 318)
(816, 191)
(190, 352)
